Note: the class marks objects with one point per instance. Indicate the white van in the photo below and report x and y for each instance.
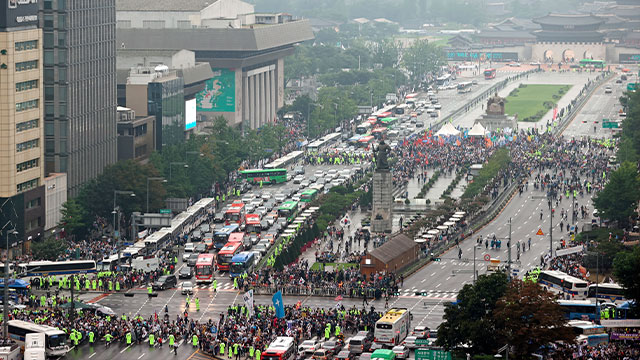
(188, 249)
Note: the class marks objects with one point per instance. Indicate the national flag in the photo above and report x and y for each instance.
(555, 113)
(278, 304)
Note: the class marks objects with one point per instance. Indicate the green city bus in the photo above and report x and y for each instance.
(598, 64)
(289, 210)
(270, 176)
(308, 195)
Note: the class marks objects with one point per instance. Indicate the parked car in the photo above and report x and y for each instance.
(165, 282)
(218, 217)
(420, 332)
(401, 351)
(196, 235)
(188, 250)
(201, 248)
(359, 344)
(608, 90)
(186, 288)
(332, 346)
(185, 272)
(261, 248)
(365, 356)
(345, 355)
(298, 179)
(299, 170)
(322, 354)
(308, 346)
(193, 258)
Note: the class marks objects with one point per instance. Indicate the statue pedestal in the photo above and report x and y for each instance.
(381, 217)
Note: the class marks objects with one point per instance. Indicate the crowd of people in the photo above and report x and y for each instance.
(298, 278)
(609, 351)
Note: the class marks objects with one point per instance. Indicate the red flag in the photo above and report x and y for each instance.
(555, 112)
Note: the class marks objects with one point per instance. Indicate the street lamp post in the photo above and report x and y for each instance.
(116, 211)
(475, 273)
(509, 248)
(176, 163)
(5, 309)
(156, 178)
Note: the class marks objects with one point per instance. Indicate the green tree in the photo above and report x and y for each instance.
(528, 317)
(48, 249)
(385, 52)
(422, 58)
(74, 219)
(470, 321)
(626, 268)
(96, 197)
(619, 198)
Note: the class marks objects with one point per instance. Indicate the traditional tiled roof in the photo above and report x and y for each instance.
(565, 19)
(393, 248)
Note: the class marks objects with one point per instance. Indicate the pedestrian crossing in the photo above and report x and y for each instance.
(221, 286)
(428, 293)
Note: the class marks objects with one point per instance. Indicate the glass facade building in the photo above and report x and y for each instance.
(166, 102)
(79, 61)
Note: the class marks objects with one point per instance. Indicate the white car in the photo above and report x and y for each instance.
(514, 64)
(280, 198)
(309, 346)
(188, 250)
(186, 288)
(298, 179)
(332, 172)
(401, 351)
(318, 173)
(437, 106)
(261, 248)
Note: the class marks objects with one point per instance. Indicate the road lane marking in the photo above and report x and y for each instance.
(437, 286)
(125, 349)
(433, 273)
(423, 280)
(92, 355)
(448, 278)
(140, 357)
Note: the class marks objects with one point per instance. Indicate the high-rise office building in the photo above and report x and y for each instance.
(21, 149)
(79, 59)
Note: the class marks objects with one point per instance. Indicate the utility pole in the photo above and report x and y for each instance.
(509, 252)
(597, 310)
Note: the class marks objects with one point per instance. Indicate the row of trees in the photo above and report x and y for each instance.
(618, 202)
(184, 170)
(495, 312)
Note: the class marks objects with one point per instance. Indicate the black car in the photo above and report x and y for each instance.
(193, 258)
(165, 282)
(200, 248)
(185, 273)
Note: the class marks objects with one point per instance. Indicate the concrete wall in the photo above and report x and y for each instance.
(137, 99)
(228, 9)
(556, 50)
(614, 52)
(137, 18)
(56, 194)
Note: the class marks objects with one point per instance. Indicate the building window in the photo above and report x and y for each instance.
(26, 45)
(27, 185)
(153, 24)
(184, 24)
(27, 85)
(27, 65)
(32, 225)
(27, 145)
(30, 164)
(26, 125)
(27, 105)
(33, 203)
(62, 39)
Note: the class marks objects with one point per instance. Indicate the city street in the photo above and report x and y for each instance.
(424, 293)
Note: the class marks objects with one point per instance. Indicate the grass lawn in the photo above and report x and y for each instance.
(336, 266)
(532, 102)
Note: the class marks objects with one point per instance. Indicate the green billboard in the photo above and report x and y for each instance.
(219, 94)
(428, 354)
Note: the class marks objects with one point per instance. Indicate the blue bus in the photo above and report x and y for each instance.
(242, 263)
(221, 237)
(579, 309)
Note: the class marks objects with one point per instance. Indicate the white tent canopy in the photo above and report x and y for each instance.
(477, 130)
(448, 130)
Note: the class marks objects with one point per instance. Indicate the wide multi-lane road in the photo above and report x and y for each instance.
(438, 281)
